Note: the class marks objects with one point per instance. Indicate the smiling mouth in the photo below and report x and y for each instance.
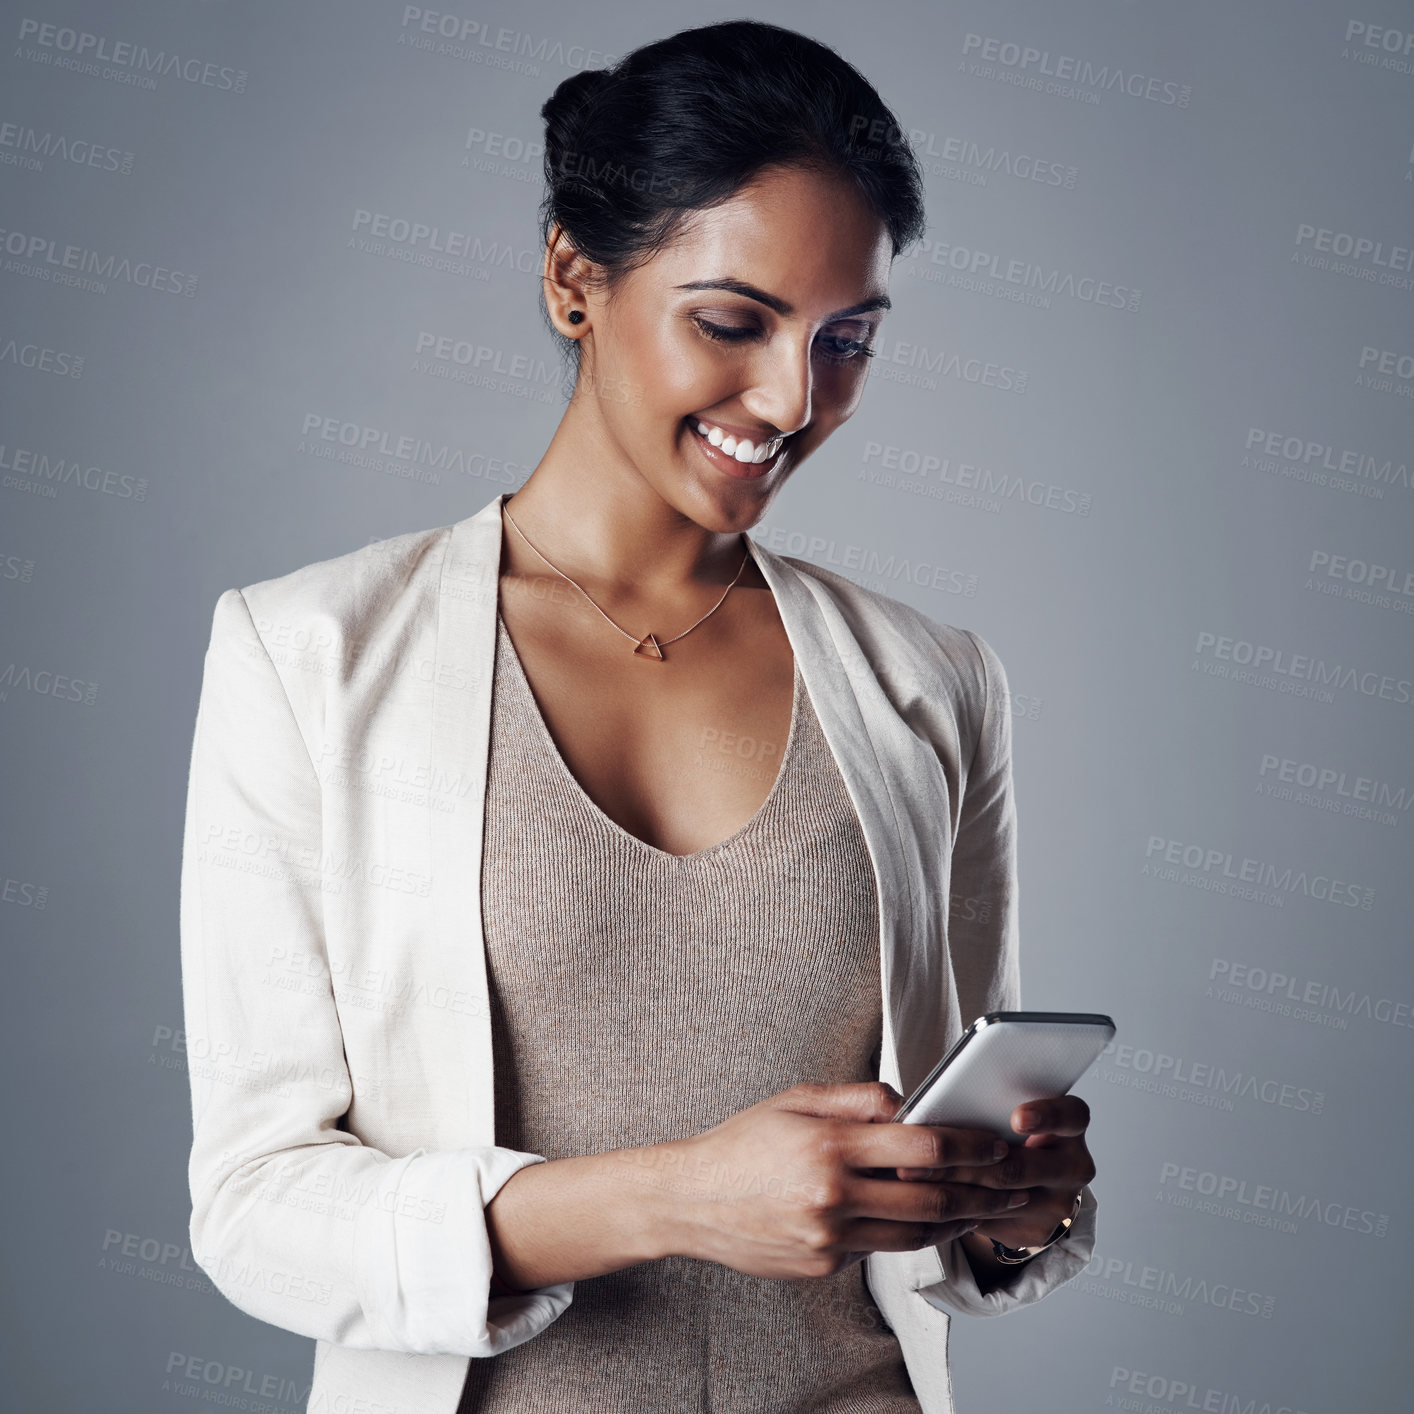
(741, 449)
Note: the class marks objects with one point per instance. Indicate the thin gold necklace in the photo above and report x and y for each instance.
(649, 646)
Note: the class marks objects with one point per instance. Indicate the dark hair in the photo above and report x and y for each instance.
(683, 123)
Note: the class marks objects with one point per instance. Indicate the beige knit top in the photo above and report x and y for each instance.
(638, 997)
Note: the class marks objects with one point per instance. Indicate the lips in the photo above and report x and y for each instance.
(743, 448)
(731, 462)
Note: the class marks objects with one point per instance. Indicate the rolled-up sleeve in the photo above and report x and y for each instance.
(294, 1219)
(983, 944)
(958, 1291)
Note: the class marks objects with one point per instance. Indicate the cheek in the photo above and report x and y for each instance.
(686, 374)
(664, 360)
(845, 389)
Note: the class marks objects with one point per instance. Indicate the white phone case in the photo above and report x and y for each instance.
(1003, 1060)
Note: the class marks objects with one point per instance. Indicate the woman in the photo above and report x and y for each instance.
(562, 899)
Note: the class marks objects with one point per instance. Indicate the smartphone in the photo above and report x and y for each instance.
(1003, 1060)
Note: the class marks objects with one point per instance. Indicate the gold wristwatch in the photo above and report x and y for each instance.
(1014, 1256)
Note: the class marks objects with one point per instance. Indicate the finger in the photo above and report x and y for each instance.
(1064, 1163)
(960, 1173)
(1025, 1226)
(930, 1146)
(931, 1203)
(1062, 1114)
(864, 1102)
(879, 1235)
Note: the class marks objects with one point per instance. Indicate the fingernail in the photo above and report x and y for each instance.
(1017, 1199)
(1000, 1150)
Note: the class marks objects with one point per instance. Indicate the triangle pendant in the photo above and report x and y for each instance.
(648, 647)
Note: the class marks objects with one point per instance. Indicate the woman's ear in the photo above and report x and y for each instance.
(566, 277)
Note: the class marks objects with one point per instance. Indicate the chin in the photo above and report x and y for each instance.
(721, 509)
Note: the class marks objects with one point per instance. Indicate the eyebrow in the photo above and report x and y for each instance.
(741, 287)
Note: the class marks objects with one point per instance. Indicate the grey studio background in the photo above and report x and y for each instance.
(1141, 416)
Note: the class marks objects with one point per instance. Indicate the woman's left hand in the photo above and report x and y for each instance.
(1052, 1166)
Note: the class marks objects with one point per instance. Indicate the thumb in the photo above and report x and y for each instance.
(866, 1101)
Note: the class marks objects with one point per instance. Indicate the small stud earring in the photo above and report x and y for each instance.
(576, 316)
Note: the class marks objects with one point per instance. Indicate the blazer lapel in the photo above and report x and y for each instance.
(900, 794)
(461, 736)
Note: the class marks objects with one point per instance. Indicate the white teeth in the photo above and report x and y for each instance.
(740, 448)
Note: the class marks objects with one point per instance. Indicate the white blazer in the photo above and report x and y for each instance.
(333, 968)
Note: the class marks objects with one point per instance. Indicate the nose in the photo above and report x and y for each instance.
(783, 389)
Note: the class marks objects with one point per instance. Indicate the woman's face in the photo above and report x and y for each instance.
(754, 323)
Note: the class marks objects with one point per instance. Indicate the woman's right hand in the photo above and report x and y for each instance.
(804, 1183)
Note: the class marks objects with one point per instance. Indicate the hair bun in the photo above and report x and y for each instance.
(565, 109)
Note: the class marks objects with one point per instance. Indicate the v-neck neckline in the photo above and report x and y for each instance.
(548, 741)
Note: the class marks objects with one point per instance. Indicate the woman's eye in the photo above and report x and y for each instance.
(835, 348)
(842, 350)
(728, 333)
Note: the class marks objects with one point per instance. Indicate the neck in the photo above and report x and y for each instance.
(590, 512)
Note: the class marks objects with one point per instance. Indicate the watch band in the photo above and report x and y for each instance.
(1014, 1256)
